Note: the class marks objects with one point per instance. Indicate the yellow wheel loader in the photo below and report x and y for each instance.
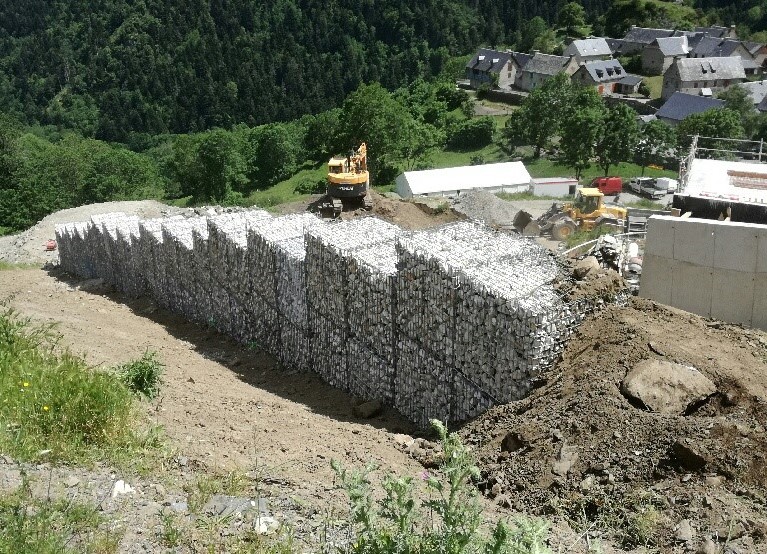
(586, 212)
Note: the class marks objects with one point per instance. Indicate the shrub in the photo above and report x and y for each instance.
(143, 376)
(53, 403)
(309, 186)
(396, 524)
(472, 133)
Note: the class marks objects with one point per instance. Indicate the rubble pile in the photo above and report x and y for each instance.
(441, 323)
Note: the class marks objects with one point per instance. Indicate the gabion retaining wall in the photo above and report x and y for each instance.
(441, 323)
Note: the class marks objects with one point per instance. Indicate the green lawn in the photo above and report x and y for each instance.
(656, 85)
(452, 158)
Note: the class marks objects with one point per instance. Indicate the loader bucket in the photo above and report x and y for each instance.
(521, 221)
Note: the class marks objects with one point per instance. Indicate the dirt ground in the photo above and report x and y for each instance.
(667, 483)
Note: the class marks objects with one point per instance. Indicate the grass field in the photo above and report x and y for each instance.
(656, 85)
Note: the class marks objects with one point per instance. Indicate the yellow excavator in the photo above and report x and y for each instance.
(562, 220)
(348, 184)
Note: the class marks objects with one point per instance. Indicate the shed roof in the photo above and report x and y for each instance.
(546, 64)
(753, 47)
(673, 46)
(602, 71)
(589, 47)
(490, 61)
(709, 69)
(631, 80)
(467, 177)
(681, 105)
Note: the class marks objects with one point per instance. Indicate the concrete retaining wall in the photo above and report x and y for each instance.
(715, 269)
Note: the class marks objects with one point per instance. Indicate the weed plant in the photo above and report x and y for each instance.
(54, 406)
(143, 376)
(449, 521)
(44, 526)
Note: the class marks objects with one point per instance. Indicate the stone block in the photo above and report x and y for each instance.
(660, 237)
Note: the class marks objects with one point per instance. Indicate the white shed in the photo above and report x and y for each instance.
(555, 186)
(451, 181)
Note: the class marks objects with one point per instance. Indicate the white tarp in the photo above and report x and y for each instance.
(500, 177)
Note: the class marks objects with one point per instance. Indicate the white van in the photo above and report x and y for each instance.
(671, 185)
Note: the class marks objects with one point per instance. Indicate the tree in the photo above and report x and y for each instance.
(571, 17)
(372, 115)
(273, 153)
(221, 167)
(581, 130)
(714, 123)
(737, 98)
(531, 30)
(539, 118)
(656, 141)
(620, 134)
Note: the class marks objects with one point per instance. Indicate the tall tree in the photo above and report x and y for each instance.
(657, 140)
(711, 125)
(581, 130)
(539, 118)
(571, 18)
(620, 133)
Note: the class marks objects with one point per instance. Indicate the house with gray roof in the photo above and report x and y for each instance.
(600, 74)
(692, 75)
(682, 105)
(490, 67)
(638, 38)
(589, 49)
(718, 31)
(658, 56)
(542, 67)
(710, 47)
(757, 90)
(759, 52)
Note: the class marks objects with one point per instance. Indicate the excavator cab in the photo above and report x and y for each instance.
(348, 184)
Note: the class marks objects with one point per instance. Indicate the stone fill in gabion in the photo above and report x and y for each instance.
(442, 323)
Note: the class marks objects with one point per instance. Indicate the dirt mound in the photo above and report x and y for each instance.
(486, 206)
(578, 448)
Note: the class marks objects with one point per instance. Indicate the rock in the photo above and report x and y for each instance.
(159, 489)
(588, 483)
(714, 480)
(708, 547)
(512, 442)
(71, 481)
(368, 410)
(688, 455)
(181, 506)
(265, 525)
(403, 440)
(585, 267)
(222, 505)
(182, 461)
(684, 531)
(666, 387)
(565, 460)
(121, 487)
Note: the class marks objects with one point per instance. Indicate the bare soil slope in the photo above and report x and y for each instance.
(577, 447)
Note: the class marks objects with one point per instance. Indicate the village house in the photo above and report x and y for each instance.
(588, 49)
(600, 74)
(658, 56)
(490, 67)
(757, 90)
(717, 31)
(702, 76)
(637, 39)
(542, 67)
(758, 51)
(682, 105)
(709, 47)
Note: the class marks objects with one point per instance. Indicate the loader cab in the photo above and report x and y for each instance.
(588, 200)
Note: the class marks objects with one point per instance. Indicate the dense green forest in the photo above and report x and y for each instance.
(216, 100)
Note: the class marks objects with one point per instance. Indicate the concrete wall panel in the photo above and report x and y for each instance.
(735, 248)
(656, 278)
(761, 256)
(759, 315)
(732, 297)
(691, 287)
(694, 242)
(660, 237)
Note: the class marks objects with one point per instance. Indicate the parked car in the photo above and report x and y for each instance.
(608, 185)
(647, 186)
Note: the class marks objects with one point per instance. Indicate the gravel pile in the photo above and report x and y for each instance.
(485, 206)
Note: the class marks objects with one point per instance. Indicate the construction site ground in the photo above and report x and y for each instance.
(627, 484)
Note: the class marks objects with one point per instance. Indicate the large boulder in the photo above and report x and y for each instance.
(666, 387)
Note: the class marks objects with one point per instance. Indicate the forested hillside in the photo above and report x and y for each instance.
(110, 68)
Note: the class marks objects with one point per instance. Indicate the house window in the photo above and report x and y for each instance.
(695, 84)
